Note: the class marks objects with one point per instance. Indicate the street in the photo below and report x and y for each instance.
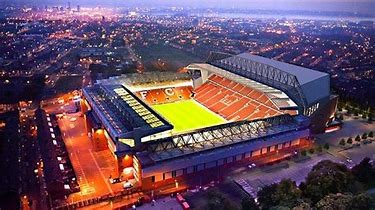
(92, 168)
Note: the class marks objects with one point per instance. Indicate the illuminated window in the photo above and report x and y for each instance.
(61, 166)
(129, 142)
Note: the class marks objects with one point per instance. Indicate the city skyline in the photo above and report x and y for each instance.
(354, 6)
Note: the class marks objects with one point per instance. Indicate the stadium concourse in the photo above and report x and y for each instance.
(164, 127)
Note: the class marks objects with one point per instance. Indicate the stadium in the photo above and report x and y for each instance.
(165, 127)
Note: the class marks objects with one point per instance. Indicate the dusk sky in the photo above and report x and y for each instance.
(361, 6)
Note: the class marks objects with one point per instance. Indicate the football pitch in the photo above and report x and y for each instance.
(188, 115)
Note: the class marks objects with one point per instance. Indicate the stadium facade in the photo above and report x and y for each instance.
(163, 127)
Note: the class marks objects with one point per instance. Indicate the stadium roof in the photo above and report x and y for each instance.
(304, 75)
(122, 112)
(305, 86)
(145, 78)
(221, 136)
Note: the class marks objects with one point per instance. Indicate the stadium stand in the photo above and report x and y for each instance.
(149, 80)
(165, 95)
(234, 101)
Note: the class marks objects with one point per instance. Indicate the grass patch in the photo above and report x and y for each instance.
(188, 115)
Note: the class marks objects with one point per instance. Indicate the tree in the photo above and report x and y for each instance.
(342, 142)
(346, 202)
(303, 153)
(326, 146)
(371, 134)
(279, 208)
(349, 141)
(335, 201)
(284, 194)
(249, 204)
(364, 135)
(287, 193)
(311, 150)
(364, 171)
(327, 177)
(265, 197)
(362, 201)
(217, 201)
(302, 206)
(357, 138)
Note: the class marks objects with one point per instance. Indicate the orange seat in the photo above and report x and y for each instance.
(233, 100)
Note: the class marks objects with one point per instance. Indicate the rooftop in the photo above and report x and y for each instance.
(221, 136)
(146, 78)
(304, 75)
(121, 111)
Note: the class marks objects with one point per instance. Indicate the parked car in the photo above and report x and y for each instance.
(127, 185)
(115, 180)
(366, 141)
(252, 165)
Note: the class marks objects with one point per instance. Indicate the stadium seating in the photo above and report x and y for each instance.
(234, 101)
(165, 95)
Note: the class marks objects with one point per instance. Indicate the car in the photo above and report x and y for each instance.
(366, 141)
(115, 180)
(349, 160)
(127, 185)
(252, 165)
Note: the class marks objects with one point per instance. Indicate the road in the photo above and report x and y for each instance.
(92, 168)
(162, 204)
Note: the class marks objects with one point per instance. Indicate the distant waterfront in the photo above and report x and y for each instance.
(258, 15)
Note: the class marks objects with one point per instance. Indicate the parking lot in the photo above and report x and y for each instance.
(351, 128)
(252, 180)
(358, 153)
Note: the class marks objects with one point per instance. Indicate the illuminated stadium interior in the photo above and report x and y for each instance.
(217, 101)
(188, 115)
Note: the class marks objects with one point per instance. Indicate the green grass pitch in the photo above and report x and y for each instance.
(188, 115)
